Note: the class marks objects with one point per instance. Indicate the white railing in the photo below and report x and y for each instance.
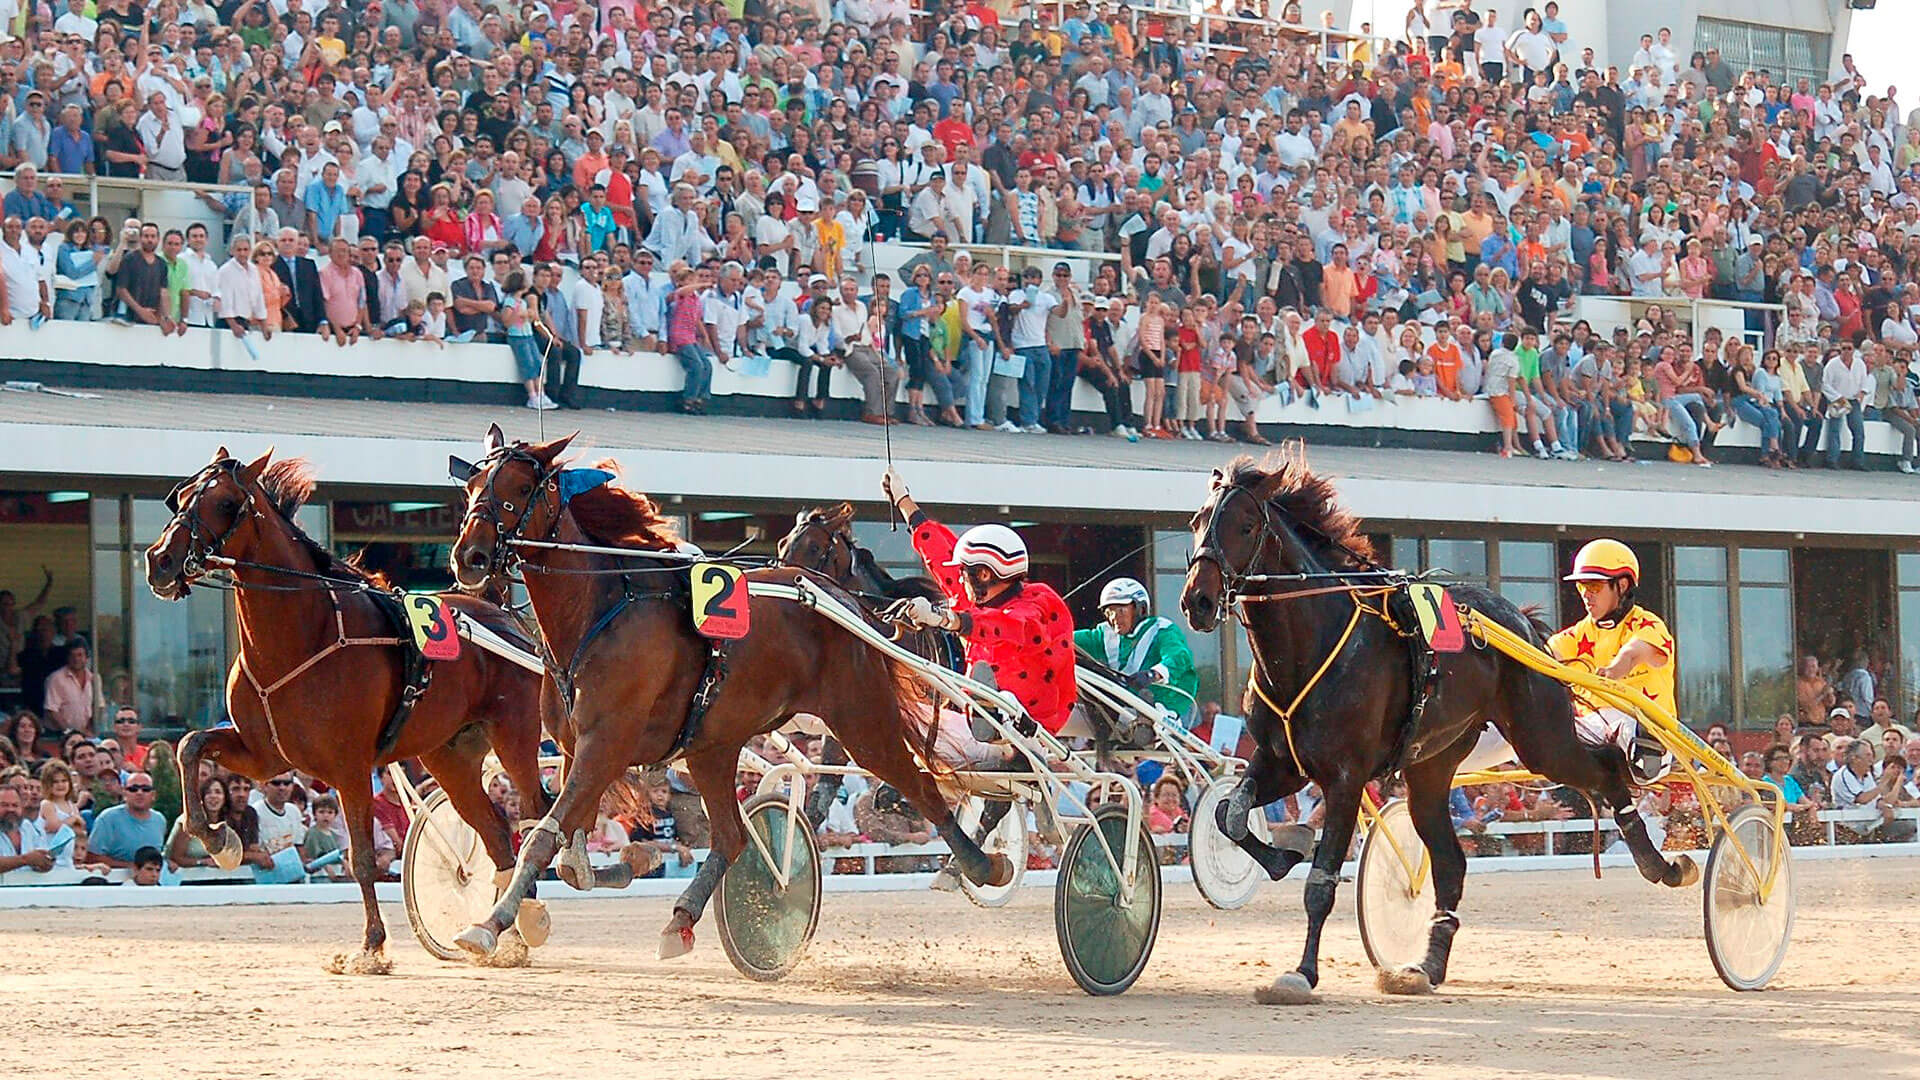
(175, 204)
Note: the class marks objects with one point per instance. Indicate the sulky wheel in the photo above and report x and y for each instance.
(1394, 887)
(1748, 902)
(1226, 876)
(764, 925)
(1008, 838)
(1107, 931)
(446, 877)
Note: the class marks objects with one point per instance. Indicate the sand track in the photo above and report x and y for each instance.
(1554, 974)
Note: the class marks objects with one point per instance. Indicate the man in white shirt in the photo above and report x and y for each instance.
(281, 826)
(864, 362)
(375, 180)
(589, 304)
(724, 308)
(25, 292)
(237, 290)
(161, 137)
(1845, 382)
(1031, 306)
(423, 276)
(202, 274)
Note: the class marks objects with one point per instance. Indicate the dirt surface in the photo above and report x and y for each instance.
(1554, 975)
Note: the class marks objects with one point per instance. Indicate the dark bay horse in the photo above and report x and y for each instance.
(635, 684)
(822, 541)
(1332, 696)
(321, 671)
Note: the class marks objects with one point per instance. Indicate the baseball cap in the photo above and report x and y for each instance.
(332, 126)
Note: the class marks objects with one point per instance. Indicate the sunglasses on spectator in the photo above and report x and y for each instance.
(279, 783)
(132, 788)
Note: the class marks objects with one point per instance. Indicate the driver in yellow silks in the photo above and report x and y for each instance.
(1619, 640)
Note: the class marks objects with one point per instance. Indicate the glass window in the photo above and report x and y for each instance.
(1700, 625)
(1699, 564)
(892, 549)
(1766, 651)
(1166, 585)
(1526, 559)
(179, 653)
(1907, 565)
(1464, 559)
(150, 517)
(1406, 552)
(1764, 566)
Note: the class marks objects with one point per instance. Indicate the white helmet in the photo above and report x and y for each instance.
(995, 547)
(1124, 590)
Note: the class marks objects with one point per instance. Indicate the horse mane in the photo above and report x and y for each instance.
(1310, 499)
(288, 484)
(1536, 619)
(615, 517)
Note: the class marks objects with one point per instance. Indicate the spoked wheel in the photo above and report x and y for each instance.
(769, 900)
(1748, 902)
(1107, 931)
(1008, 838)
(446, 877)
(1226, 876)
(1394, 887)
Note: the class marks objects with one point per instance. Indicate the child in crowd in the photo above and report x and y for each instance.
(323, 839)
(1153, 367)
(1191, 377)
(433, 324)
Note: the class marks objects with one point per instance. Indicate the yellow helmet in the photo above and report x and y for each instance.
(1604, 560)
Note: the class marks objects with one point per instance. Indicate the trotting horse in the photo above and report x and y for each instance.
(322, 672)
(636, 684)
(822, 541)
(1334, 693)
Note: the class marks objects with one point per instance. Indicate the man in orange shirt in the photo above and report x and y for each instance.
(1338, 284)
(1445, 354)
(1476, 225)
(1323, 349)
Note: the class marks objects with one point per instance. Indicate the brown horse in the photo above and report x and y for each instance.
(637, 685)
(822, 541)
(322, 671)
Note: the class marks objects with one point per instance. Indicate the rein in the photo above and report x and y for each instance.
(1234, 581)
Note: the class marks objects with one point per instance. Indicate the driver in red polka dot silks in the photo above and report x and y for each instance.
(1017, 629)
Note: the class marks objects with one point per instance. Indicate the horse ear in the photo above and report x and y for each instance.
(553, 449)
(801, 517)
(1219, 480)
(220, 454)
(495, 438)
(253, 469)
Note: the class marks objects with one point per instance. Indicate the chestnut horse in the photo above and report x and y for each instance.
(635, 683)
(321, 672)
(1322, 643)
(821, 540)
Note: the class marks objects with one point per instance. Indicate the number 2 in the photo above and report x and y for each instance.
(718, 605)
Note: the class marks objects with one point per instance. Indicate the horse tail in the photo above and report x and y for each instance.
(627, 797)
(907, 691)
(1536, 621)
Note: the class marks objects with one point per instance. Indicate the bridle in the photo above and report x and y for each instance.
(836, 539)
(489, 506)
(1233, 581)
(184, 503)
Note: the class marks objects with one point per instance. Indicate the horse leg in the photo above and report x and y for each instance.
(1557, 753)
(882, 750)
(1343, 806)
(223, 745)
(1429, 787)
(712, 769)
(356, 805)
(457, 766)
(592, 768)
(1265, 781)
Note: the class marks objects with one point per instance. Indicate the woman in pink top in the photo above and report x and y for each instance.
(483, 227)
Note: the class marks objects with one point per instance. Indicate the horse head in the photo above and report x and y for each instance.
(1276, 517)
(512, 493)
(211, 509)
(822, 541)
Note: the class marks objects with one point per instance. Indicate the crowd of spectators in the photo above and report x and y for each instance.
(1272, 212)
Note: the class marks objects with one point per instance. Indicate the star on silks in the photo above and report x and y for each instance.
(1584, 647)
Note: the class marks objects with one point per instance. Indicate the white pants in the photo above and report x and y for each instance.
(1607, 725)
(956, 745)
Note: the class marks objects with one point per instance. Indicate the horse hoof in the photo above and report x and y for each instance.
(642, 858)
(1295, 838)
(1689, 871)
(533, 923)
(572, 876)
(360, 963)
(1000, 870)
(1289, 989)
(1406, 981)
(676, 941)
(230, 852)
(478, 940)
(511, 953)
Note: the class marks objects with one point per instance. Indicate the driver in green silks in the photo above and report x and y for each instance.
(1150, 652)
